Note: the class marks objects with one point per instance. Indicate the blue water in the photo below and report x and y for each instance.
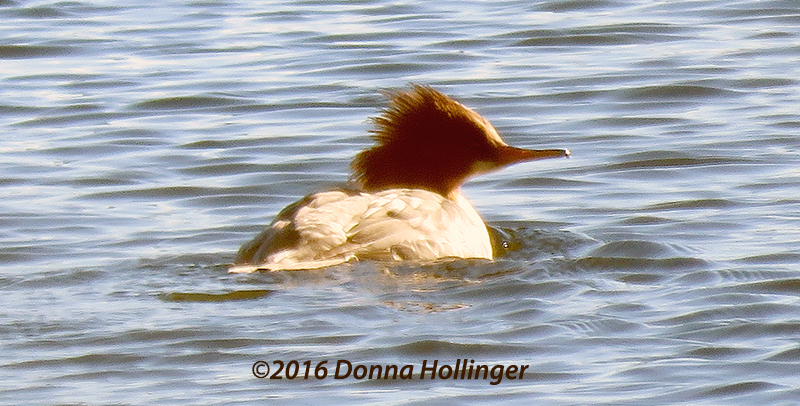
(143, 143)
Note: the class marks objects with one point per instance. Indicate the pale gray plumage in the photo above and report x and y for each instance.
(337, 226)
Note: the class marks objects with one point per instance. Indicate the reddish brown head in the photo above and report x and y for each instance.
(426, 140)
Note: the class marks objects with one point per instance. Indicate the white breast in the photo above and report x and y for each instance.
(333, 227)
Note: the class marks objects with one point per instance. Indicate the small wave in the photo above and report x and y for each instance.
(674, 92)
(633, 249)
(695, 204)
(738, 389)
(623, 263)
(33, 51)
(455, 350)
(616, 34)
(577, 5)
(215, 297)
(189, 102)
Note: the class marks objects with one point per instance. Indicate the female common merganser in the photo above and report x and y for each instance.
(406, 202)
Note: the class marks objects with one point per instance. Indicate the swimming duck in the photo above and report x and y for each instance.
(404, 201)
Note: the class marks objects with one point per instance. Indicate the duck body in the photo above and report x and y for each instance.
(404, 202)
(336, 226)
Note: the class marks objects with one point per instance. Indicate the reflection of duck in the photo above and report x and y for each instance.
(407, 203)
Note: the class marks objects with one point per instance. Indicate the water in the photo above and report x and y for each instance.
(142, 144)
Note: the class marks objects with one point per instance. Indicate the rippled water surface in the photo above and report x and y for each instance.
(143, 143)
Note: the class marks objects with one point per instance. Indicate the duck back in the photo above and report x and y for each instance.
(341, 225)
